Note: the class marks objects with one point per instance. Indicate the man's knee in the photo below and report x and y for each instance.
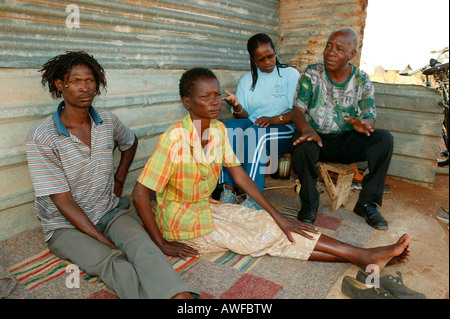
(304, 157)
(383, 134)
(128, 234)
(383, 137)
(305, 149)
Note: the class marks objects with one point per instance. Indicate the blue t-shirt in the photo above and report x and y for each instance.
(273, 94)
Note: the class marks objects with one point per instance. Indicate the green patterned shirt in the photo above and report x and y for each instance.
(327, 103)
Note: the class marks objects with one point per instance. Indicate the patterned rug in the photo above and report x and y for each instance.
(38, 274)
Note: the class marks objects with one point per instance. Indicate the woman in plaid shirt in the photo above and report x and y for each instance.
(183, 171)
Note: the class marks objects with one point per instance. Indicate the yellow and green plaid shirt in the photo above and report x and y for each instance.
(184, 175)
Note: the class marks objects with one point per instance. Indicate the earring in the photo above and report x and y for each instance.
(67, 85)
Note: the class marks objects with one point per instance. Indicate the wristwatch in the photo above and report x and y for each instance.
(281, 119)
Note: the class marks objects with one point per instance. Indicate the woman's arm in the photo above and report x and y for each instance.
(281, 119)
(143, 203)
(238, 110)
(286, 224)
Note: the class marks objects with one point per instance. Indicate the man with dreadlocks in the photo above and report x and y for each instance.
(70, 157)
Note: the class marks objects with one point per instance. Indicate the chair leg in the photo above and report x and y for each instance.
(340, 191)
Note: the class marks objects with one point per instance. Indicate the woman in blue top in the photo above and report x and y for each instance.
(262, 107)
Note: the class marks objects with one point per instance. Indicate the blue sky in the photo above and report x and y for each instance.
(402, 32)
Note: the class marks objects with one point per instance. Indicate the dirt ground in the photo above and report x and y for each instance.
(423, 199)
(426, 201)
(409, 208)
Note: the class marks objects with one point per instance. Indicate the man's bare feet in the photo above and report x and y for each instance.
(389, 255)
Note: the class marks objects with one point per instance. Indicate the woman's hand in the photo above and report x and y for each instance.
(288, 225)
(265, 121)
(177, 249)
(231, 99)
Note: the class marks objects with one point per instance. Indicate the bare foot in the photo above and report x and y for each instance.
(183, 295)
(402, 258)
(389, 255)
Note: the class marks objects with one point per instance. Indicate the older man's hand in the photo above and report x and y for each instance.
(364, 126)
(309, 134)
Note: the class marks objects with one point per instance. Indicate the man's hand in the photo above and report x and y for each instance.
(364, 126)
(78, 218)
(118, 186)
(177, 249)
(309, 134)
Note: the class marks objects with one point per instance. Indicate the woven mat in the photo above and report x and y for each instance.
(42, 275)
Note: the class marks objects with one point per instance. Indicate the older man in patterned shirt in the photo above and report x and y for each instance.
(334, 116)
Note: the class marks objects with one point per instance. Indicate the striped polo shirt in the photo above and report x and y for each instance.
(59, 162)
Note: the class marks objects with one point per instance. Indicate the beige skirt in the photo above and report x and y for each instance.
(251, 232)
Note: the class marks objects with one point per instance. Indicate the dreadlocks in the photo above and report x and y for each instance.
(62, 64)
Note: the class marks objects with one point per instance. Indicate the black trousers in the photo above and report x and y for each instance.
(345, 148)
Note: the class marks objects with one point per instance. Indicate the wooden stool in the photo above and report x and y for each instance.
(340, 191)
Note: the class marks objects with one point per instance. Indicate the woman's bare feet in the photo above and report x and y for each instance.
(389, 255)
(402, 258)
(183, 295)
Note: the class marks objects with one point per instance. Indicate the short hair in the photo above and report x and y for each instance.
(62, 64)
(188, 79)
(351, 32)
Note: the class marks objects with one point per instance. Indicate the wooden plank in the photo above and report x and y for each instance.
(413, 114)
(416, 146)
(420, 123)
(407, 97)
(421, 171)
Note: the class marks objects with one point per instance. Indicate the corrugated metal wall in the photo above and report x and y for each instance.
(161, 34)
(413, 114)
(306, 25)
(144, 47)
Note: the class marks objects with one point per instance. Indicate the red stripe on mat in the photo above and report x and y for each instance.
(57, 275)
(39, 270)
(186, 264)
(31, 261)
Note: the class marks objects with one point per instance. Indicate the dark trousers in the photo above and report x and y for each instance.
(345, 148)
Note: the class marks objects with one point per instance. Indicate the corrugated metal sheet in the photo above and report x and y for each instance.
(413, 114)
(161, 34)
(306, 25)
(144, 47)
